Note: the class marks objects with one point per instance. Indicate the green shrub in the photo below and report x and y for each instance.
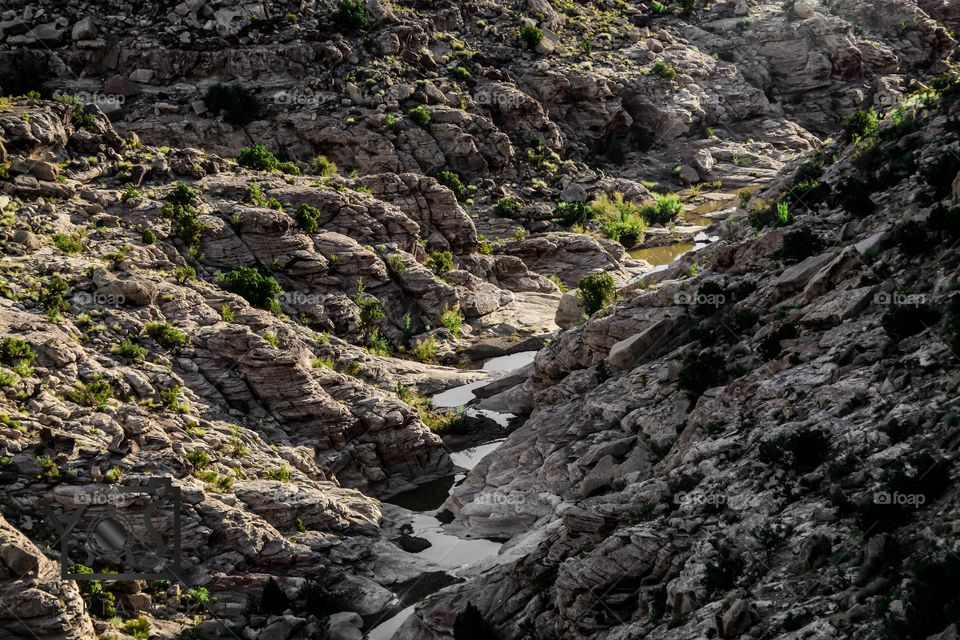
(258, 158)
(573, 213)
(138, 627)
(15, 352)
(664, 70)
(460, 72)
(397, 264)
(166, 335)
(257, 289)
(181, 194)
(425, 351)
(68, 243)
(862, 124)
(662, 210)
(659, 8)
(148, 236)
(180, 210)
(130, 350)
(620, 220)
(283, 473)
(595, 291)
(184, 273)
(322, 166)
(308, 217)
(371, 311)
(199, 458)
(440, 262)
(765, 215)
(531, 35)
(507, 207)
(420, 115)
(49, 470)
(50, 296)
(237, 105)
(452, 319)
(351, 15)
(95, 393)
(377, 344)
(452, 181)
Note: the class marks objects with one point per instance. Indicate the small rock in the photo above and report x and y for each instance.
(85, 29)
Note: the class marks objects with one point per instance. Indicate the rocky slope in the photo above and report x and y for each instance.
(763, 449)
(260, 328)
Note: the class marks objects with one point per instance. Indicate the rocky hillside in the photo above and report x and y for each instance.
(244, 243)
(759, 441)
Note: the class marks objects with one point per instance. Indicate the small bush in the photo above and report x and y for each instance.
(166, 335)
(68, 243)
(148, 236)
(352, 15)
(378, 344)
(620, 220)
(371, 311)
(440, 262)
(322, 166)
(420, 115)
(531, 35)
(664, 70)
(662, 210)
(257, 289)
(237, 105)
(452, 319)
(862, 124)
(184, 274)
(569, 214)
(283, 473)
(595, 291)
(49, 470)
(308, 217)
(507, 207)
(199, 458)
(130, 350)
(51, 295)
(258, 158)
(452, 181)
(425, 351)
(397, 264)
(15, 352)
(95, 393)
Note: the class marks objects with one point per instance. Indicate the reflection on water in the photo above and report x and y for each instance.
(426, 497)
(662, 255)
